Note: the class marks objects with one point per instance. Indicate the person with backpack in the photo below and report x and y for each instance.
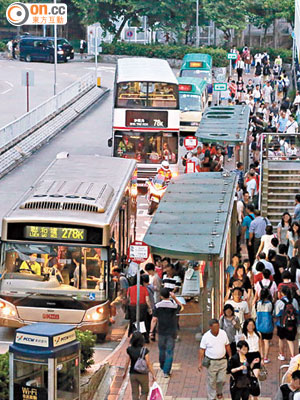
(287, 390)
(264, 320)
(280, 86)
(249, 217)
(286, 313)
(265, 283)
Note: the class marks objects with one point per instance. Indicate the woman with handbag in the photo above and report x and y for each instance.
(140, 366)
(240, 370)
(254, 340)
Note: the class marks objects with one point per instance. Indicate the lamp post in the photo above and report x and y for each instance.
(55, 55)
(197, 23)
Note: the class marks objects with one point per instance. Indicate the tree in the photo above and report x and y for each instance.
(283, 9)
(227, 15)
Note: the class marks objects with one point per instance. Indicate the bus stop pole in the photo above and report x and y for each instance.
(230, 68)
(138, 284)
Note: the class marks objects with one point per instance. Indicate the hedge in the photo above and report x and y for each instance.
(219, 55)
(4, 376)
(164, 51)
(2, 46)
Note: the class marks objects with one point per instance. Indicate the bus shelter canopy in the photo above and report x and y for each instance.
(224, 125)
(193, 218)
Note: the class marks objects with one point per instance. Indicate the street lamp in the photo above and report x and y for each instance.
(197, 23)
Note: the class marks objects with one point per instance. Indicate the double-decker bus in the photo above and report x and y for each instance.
(192, 102)
(60, 241)
(198, 65)
(146, 115)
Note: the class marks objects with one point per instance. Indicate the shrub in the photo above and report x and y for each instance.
(4, 376)
(87, 341)
(2, 46)
(164, 51)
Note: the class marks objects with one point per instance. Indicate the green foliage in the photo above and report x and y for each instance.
(227, 15)
(87, 341)
(4, 376)
(164, 51)
(2, 46)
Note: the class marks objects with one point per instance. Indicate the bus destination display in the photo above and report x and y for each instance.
(55, 233)
(156, 119)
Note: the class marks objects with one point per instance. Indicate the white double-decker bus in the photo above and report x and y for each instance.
(146, 115)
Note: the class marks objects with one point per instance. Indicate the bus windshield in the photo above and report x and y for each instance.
(197, 73)
(147, 95)
(189, 102)
(149, 148)
(53, 266)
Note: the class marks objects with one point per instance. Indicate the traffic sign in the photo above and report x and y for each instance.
(220, 87)
(190, 167)
(231, 56)
(190, 143)
(138, 252)
(129, 34)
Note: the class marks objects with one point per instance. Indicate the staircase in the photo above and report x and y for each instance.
(281, 182)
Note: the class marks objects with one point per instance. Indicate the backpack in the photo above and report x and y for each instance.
(264, 60)
(264, 319)
(285, 391)
(280, 86)
(288, 318)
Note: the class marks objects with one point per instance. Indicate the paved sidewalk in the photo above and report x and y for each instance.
(186, 383)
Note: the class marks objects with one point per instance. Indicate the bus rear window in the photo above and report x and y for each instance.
(147, 95)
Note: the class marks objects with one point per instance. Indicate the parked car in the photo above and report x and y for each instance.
(42, 49)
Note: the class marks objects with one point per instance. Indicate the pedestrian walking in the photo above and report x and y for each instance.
(212, 355)
(165, 316)
(257, 230)
(267, 91)
(297, 208)
(287, 390)
(241, 308)
(82, 48)
(265, 283)
(286, 312)
(292, 236)
(139, 380)
(230, 270)
(264, 320)
(247, 60)
(265, 242)
(249, 217)
(240, 371)
(240, 65)
(283, 227)
(240, 87)
(254, 340)
(155, 280)
(231, 325)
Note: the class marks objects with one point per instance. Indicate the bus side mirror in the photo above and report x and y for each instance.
(181, 141)
(109, 142)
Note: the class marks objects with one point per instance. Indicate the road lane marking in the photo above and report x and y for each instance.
(9, 89)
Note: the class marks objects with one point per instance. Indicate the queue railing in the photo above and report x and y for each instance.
(16, 130)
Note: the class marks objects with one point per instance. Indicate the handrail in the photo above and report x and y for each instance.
(261, 173)
(10, 133)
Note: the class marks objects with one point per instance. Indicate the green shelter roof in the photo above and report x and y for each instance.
(198, 57)
(224, 124)
(193, 218)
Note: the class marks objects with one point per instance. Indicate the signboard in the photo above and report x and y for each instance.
(64, 338)
(55, 233)
(191, 283)
(32, 340)
(30, 393)
(190, 142)
(27, 78)
(231, 56)
(220, 87)
(129, 34)
(138, 252)
(153, 119)
(190, 167)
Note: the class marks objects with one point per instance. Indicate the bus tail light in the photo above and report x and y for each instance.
(184, 88)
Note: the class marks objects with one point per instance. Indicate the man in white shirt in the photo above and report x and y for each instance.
(251, 185)
(257, 58)
(268, 265)
(213, 347)
(291, 126)
(267, 90)
(241, 308)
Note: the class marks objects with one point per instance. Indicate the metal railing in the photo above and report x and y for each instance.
(17, 129)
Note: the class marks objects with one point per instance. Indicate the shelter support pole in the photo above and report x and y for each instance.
(217, 290)
(234, 217)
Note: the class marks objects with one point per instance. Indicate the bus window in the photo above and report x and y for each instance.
(131, 94)
(67, 267)
(189, 102)
(162, 96)
(197, 73)
(149, 148)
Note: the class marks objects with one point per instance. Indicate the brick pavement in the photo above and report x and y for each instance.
(186, 383)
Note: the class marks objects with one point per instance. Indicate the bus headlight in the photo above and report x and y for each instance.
(194, 123)
(94, 314)
(7, 309)
(60, 52)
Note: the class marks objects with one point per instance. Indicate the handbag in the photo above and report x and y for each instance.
(254, 388)
(140, 365)
(263, 374)
(206, 362)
